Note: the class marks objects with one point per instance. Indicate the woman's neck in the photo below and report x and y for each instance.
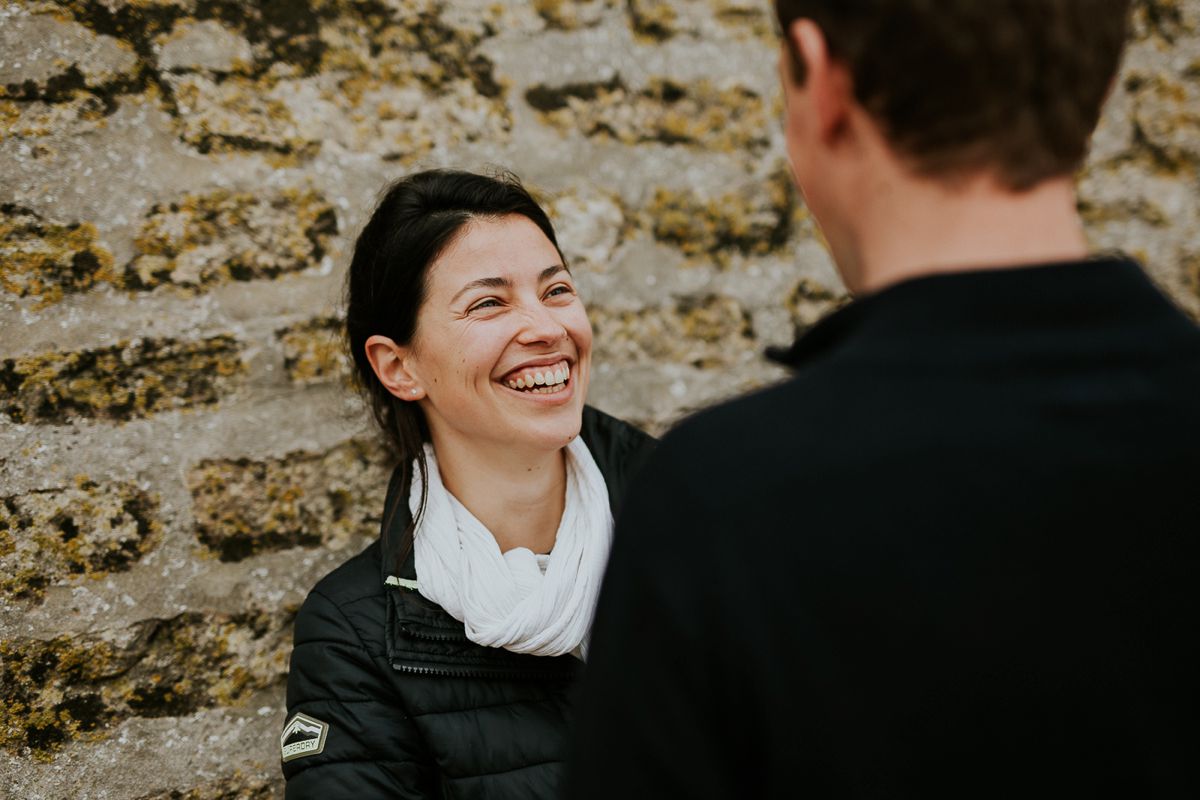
(518, 496)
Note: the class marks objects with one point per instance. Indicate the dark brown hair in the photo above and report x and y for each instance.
(417, 218)
(958, 86)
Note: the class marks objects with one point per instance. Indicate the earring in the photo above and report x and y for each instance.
(414, 391)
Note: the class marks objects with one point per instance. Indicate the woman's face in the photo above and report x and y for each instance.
(502, 347)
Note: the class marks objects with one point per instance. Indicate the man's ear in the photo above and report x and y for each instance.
(391, 363)
(828, 82)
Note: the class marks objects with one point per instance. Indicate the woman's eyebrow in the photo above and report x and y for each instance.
(483, 283)
(504, 283)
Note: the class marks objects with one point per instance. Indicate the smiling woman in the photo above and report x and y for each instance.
(439, 662)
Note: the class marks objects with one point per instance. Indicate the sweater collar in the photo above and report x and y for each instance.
(963, 312)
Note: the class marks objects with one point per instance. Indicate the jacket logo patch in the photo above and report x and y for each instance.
(302, 736)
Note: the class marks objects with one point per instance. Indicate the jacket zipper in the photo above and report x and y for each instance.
(469, 673)
(434, 637)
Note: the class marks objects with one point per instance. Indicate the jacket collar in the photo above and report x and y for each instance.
(978, 314)
(617, 447)
(422, 638)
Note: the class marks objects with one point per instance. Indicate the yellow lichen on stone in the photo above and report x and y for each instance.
(753, 221)
(46, 259)
(652, 20)
(700, 115)
(752, 16)
(707, 332)
(47, 537)
(810, 302)
(209, 239)
(238, 113)
(244, 507)
(408, 82)
(54, 691)
(569, 15)
(1167, 115)
(83, 113)
(313, 351)
(122, 382)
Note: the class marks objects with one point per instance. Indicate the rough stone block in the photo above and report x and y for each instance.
(208, 239)
(810, 302)
(706, 332)
(589, 224)
(234, 787)
(303, 499)
(47, 259)
(313, 351)
(403, 83)
(750, 16)
(652, 20)
(1166, 114)
(569, 15)
(702, 115)
(50, 536)
(236, 114)
(53, 59)
(68, 687)
(753, 221)
(122, 382)
(203, 45)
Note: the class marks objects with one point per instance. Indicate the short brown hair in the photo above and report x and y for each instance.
(959, 86)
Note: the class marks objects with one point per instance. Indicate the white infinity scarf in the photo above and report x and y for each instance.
(503, 599)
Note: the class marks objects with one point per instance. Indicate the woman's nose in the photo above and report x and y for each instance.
(540, 325)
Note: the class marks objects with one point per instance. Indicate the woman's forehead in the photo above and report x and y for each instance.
(511, 247)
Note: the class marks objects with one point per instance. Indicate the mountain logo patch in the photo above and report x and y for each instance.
(302, 736)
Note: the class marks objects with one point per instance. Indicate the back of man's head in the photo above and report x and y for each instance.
(1011, 87)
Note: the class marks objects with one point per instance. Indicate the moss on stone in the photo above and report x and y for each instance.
(47, 259)
(233, 787)
(121, 382)
(652, 20)
(752, 221)
(89, 530)
(54, 691)
(707, 331)
(809, 302)
(208, 239)
(303, 499)
(699, 115)
(746, 15)
(236, 114)
(569, 15)
(313, 351)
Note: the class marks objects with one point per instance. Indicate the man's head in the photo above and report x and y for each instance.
(949, 89)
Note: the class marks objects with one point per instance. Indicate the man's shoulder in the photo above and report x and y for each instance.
(768, 418)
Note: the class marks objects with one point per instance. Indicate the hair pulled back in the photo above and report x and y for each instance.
(418, 217)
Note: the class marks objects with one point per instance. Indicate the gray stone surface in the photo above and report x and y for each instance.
(179, 451)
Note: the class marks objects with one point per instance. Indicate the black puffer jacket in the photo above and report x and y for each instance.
(387, 697)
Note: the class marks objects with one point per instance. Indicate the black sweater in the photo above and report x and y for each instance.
(957, 554)
(411, 708)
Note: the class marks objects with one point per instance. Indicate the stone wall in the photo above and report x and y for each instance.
(180, 459)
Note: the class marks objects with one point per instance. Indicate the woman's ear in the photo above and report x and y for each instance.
(391, 363)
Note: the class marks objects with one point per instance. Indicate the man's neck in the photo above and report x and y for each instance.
(928, 229)
(518, 496)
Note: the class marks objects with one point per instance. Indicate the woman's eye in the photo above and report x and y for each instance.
(562, 288)
(489, 303)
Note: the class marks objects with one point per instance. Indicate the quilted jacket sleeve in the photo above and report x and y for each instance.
(371, 748)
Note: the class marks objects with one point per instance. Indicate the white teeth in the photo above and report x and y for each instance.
(545, 381)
